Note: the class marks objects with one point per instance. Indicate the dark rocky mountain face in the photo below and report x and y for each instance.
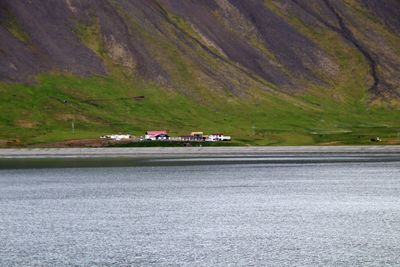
(265, 41)
(343, 50)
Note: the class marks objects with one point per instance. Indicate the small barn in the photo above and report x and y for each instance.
(197, 134)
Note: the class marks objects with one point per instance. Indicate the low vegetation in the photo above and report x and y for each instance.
(62, 107)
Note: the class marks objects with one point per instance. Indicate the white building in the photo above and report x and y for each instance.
(117, 137)
(218, 137)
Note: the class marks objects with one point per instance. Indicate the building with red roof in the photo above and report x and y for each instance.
(156, 135)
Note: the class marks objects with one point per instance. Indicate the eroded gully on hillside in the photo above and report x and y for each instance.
(378, 87)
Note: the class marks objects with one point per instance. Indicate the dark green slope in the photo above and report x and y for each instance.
(266, 72)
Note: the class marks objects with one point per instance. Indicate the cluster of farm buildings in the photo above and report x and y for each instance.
(164, 136)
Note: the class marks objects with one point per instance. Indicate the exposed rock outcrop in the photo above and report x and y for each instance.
(260, 41)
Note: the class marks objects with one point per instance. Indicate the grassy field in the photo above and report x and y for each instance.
(45, 113)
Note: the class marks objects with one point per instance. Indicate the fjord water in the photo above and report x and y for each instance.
(319, 214)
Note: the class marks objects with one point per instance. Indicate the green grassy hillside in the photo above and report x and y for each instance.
(264, 72)
(43, 113)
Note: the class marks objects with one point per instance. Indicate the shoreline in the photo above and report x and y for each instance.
(190, 152)
(34, 158)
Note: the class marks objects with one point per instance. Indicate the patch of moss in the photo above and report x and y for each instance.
(90, 35)
(11, 24)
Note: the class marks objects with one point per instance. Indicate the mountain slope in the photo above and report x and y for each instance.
(269, 72)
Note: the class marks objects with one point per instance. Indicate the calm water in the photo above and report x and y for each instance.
(321, 214)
